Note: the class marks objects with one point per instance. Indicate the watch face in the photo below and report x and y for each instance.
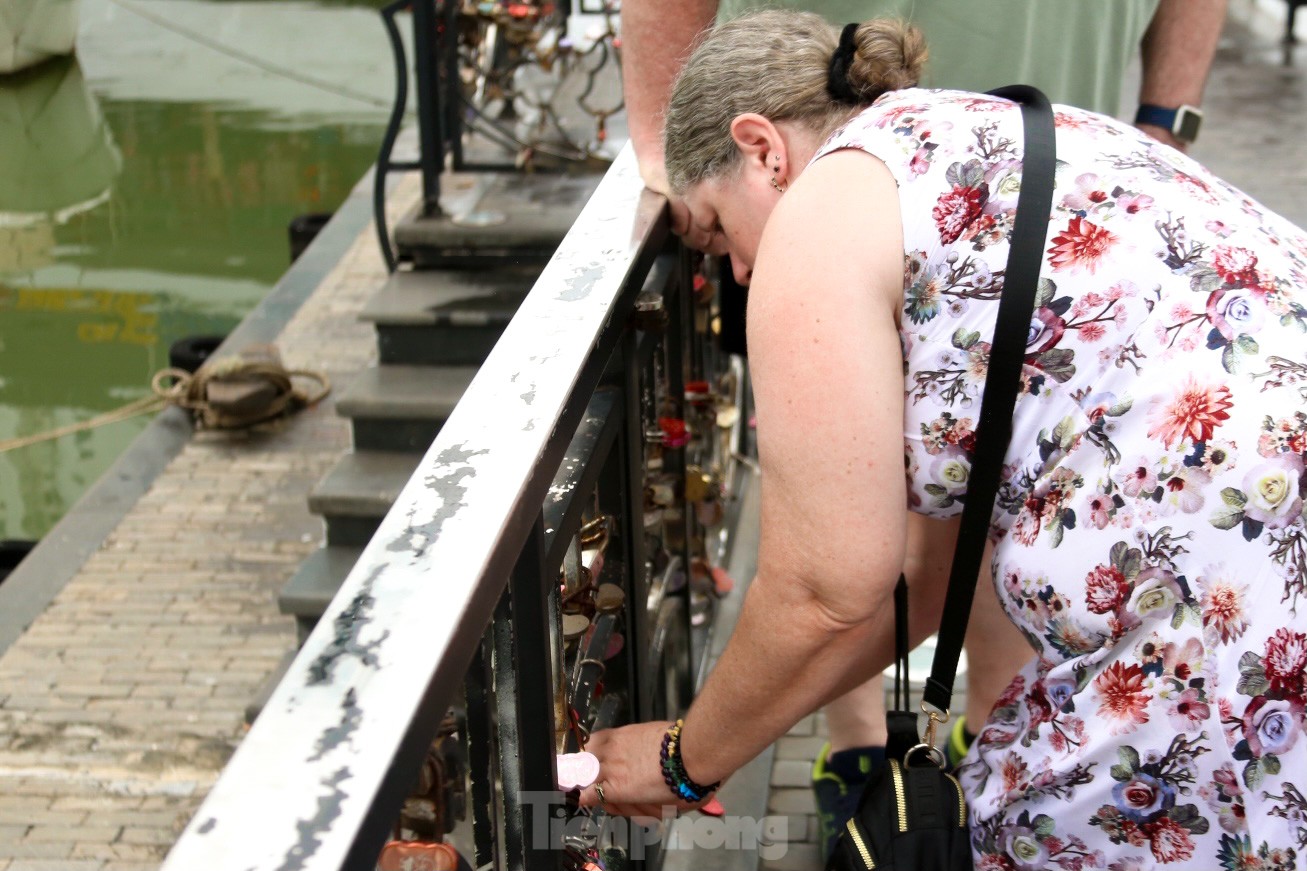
(1187, 123)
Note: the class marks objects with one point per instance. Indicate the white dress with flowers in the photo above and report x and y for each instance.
(1151, 540)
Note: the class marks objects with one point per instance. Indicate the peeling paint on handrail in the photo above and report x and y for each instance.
(301, 790)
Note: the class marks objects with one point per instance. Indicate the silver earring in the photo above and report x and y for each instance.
(777, 186)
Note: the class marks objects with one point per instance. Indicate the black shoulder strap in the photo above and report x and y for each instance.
(1025, 256)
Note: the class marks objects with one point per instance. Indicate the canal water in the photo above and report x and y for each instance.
(146, 186)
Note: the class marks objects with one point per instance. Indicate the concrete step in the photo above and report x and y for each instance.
(445, 317)
(401, 408)
(310, 590)
(490, 216)
(358, 491)
(260, 700)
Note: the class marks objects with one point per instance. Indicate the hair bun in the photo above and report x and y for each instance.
(890, 55)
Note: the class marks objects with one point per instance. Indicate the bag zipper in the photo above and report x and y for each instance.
(855, 834)
(962, 802)
(899, 798)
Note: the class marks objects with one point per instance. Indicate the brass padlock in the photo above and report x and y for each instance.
(437, 802)
(700, 486)
(418, 856)
(574, 626)
(610, 597)
(593, 537)
(650, 314)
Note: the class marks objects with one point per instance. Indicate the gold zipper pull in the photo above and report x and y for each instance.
(855, 835)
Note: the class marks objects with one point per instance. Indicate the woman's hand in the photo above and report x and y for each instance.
(631, 773)
(695, 232)
(699, 236)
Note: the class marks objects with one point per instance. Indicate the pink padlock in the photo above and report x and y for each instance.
(615, 642)
(576, 770)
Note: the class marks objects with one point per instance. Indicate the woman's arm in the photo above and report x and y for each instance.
(1177, 51)
(827, 371)
(828, 382)
(657, 36)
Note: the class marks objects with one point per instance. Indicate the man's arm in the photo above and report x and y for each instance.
(657, 36)
(1177, 50)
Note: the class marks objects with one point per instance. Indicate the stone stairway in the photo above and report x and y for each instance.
(395, 410)
(435, 320)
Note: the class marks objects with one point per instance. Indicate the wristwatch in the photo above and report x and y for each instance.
(1182, 122)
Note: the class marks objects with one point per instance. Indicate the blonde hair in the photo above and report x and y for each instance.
(775, 63)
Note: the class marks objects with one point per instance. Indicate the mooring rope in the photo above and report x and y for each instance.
(191, 392)
(144, 405)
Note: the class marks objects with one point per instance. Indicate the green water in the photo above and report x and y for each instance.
(146, 186)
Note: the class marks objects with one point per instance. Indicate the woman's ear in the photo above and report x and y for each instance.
(760, 144)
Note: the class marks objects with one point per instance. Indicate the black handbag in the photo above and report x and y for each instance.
(913, 813)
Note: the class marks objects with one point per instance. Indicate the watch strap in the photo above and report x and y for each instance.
(1182, 121)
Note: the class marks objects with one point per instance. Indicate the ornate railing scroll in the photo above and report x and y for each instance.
(596, 415)
(489, 77)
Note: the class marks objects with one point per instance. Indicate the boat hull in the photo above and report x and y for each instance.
(32, 31)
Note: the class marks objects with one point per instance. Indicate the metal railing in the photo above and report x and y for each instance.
(433, 39)
(446, 113)
(455, 603)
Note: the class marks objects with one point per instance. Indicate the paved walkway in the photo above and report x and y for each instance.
(120, 704)
(1256, 109)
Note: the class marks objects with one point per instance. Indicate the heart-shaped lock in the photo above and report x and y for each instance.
(576, 770)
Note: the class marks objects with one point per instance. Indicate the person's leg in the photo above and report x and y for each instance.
(857, 718)
(996, 651)
(856, 747)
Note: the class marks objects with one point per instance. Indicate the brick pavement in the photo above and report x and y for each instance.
(1256, 109)
(121, 703)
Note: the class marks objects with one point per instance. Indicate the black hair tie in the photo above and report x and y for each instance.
(837, 77)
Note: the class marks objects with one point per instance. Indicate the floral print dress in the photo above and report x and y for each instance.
(1151, 541)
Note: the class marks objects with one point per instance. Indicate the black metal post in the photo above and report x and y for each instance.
(426, 39)
(532, 656)
(677, 299)
(481, 754)
(629, 455)
(451, 100)
(384, 163)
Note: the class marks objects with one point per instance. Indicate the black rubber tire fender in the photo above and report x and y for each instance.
(189, 353)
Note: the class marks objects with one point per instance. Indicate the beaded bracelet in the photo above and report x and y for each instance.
(674, 769)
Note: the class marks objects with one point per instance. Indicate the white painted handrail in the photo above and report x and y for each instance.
(392, 649)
